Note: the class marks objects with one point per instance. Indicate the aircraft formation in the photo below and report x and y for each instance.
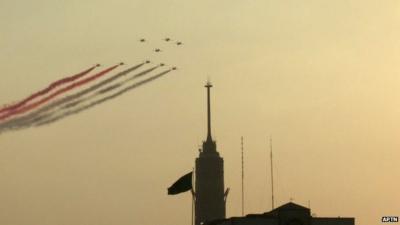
(158, 50)
(56, 101)
(165, 39)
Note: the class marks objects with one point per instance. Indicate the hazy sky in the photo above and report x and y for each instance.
(321, 77)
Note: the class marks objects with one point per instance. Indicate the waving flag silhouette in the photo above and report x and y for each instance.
(183, 184)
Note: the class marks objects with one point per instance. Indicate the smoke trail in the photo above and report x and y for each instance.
(61, 91)
(26, 121)
(100, 101)
(48, 89)
(107, 89)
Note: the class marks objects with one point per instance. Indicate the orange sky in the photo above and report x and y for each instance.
(321, 77)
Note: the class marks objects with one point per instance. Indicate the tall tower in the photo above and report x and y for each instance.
(210, 202)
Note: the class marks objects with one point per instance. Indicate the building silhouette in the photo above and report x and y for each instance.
(209, 175)
(210, 198)
(287, 214)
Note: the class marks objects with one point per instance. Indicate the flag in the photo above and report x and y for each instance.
(181, 185)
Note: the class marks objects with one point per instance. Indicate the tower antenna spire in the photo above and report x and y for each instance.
(208, 86)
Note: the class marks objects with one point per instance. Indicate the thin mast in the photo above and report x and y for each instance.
(242, 178)
(272, 174)
(208, 86)
(193, 195)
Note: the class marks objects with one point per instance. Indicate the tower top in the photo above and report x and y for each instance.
(208, 85)
(209, 146)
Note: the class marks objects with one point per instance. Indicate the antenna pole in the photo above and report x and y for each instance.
(272, 174)
(242, 177)
(208, 86)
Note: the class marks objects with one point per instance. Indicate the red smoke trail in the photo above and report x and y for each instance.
(55, 94)
(48, 89)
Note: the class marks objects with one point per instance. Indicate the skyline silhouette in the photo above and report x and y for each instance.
(320, 77)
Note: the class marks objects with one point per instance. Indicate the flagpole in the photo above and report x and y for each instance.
(192, 207)
(193, 196)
